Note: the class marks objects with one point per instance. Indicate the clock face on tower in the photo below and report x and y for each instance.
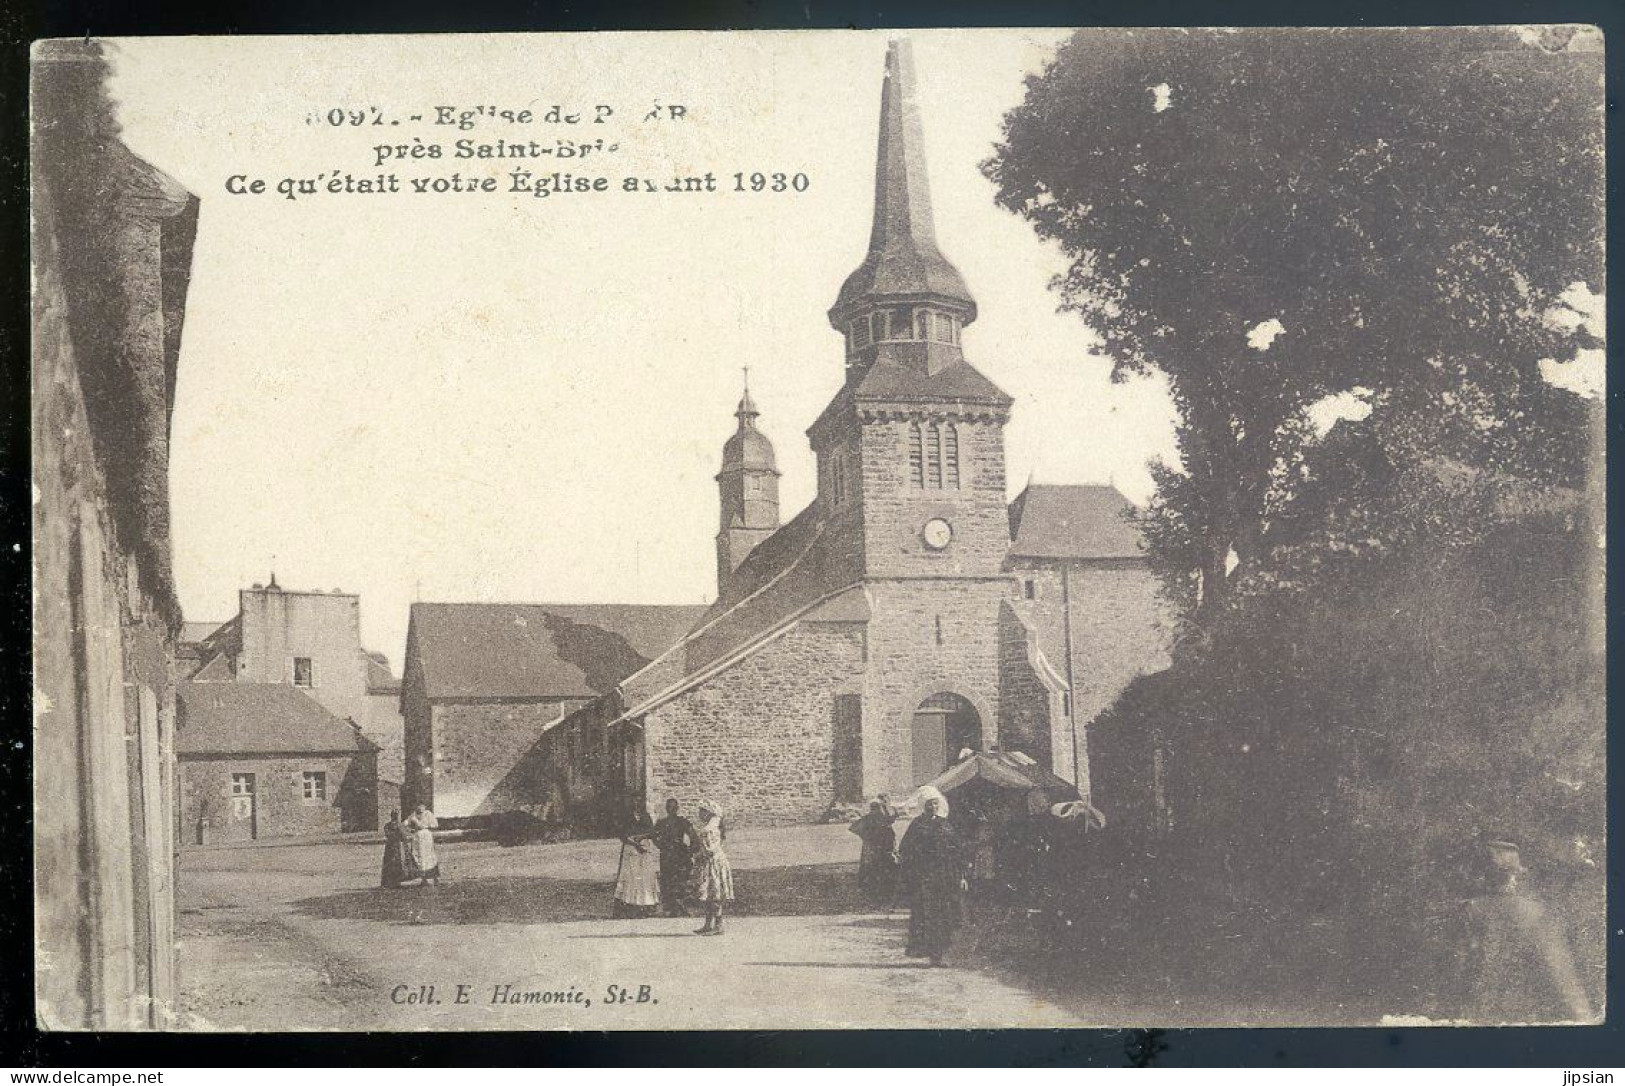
(937, 533)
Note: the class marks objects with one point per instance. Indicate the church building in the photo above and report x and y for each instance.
(908, 614)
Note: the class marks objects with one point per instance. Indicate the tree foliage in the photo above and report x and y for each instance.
(1397, 640)
(1409, 206)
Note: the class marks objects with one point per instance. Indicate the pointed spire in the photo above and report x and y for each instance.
(747, 412)
(903, 261)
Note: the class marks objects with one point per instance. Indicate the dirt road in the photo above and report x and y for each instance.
(300, 937)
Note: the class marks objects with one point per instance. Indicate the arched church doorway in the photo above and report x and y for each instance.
(944, 724)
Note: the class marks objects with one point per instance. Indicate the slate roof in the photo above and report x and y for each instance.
(259, 718)
(797, 572)
(896, 375)
(1048, 521)
(524, 650)
(788, 571)
(217, 670)
(194, 632)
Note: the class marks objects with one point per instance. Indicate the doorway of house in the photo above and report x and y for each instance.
(944, 724)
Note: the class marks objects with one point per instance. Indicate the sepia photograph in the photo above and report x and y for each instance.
(788, 530)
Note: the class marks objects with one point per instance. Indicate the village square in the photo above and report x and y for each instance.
(940, 748)
(908, 643)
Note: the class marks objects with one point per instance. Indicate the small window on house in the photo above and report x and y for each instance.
(313, 787)
(922, 324)
(950, 456)
(860, 333)
(303, 673)
(877, 326)
(916, 455)
(1029, 589)
(933, 457)
(242, 784)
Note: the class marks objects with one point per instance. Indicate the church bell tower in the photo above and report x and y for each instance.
(914, 440)
(749, 488)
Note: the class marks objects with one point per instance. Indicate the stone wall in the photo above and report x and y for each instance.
(1032, 711)
(1118, 627)
(926, 637)
(383, 725)
(112, 248)
(481, 750)
(759, 737)
(894, 510)
(279, 807)
(278, 625)
(1120, 630)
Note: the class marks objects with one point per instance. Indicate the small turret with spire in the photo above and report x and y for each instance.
(749, 487)
(905, 300)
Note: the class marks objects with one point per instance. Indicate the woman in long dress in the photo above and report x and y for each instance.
(714, 879)
(421, 827)
(877, 863)
(934, 869)
(637, 883)
(395, 865)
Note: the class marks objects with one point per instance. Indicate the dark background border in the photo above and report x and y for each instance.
(22, 1045)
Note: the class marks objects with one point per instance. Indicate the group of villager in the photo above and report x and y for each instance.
(673, 862)
(409, 852)
(931, 863)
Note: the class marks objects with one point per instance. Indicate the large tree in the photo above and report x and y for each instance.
(1273, 217)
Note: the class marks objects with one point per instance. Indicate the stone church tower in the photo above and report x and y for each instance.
(914, 441)
(908, 615)
(749, 486)
(911, 458)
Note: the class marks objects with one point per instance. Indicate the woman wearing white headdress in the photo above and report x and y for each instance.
(714, 877)
(934, 869)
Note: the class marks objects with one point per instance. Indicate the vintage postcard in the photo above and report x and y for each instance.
(832, 529)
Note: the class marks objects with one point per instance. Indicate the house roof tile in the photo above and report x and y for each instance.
(259, 718)
(525, 650)
(1048, 521)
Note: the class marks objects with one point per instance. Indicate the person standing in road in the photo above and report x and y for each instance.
(637, 880)
(877, 862)
(674, 837)
(934, 871)
(420, 843)
(715, 881)
(395, 864)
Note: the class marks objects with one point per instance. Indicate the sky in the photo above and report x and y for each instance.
(495, 397)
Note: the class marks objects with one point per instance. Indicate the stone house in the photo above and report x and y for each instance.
(485, 682)
(910, 613)
(259, 760)
(112, 249)
(309, 641)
